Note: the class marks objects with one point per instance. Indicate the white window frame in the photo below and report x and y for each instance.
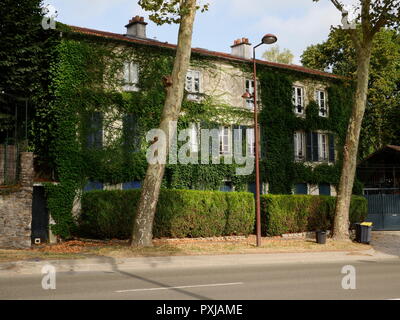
(323, 147)
(249, 87)
(251, 146)
(225, 140)
(298, 96)
(193, 81)
(130, 76)
(321, 102)
(300, 146)
(194, 138)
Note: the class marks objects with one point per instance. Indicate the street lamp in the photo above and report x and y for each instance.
(267, 39)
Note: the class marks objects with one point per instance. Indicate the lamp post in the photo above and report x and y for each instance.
(267, 39)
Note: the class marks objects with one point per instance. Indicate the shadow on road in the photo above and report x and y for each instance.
(115, 268)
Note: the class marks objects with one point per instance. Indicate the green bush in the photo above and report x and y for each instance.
(180, 213)
(300, 213)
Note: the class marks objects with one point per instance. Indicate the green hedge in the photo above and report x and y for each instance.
(299, 213)
(180, 213)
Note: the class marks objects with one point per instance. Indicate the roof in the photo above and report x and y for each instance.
(117, 36)
(389, 146)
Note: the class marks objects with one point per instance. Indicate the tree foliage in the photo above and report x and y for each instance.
(372, 16)
(338, 54)
(168, 11)
(274, 54)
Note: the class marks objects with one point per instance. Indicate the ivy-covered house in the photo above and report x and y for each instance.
(108, 91)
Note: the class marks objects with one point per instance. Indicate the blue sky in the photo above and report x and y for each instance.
(296, 23)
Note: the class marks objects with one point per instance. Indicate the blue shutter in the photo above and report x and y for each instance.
(131, 185)
(324, 189)
(226, 187)
(131, 134)
(301, 188)
(331, 148)
(93, 185)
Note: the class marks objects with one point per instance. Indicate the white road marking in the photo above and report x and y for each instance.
(183, 287)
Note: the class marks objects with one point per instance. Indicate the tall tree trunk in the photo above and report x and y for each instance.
(341, 223)
(143, 225)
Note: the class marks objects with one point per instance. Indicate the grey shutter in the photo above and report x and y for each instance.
(130, 133)
(95, 128)
(315, 155)
(331, 148)
(309, 147)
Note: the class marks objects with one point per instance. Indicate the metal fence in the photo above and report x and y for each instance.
(384, 210)
(9, 164)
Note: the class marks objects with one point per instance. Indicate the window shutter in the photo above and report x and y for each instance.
(315, 154)
(95, 130)
(295, 142)
(332, 148)
(309, 147)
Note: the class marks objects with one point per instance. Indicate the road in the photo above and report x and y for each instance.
(374, 280)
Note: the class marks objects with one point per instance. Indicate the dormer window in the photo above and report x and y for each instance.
(131, 76)
(298, 100)
(320, 99)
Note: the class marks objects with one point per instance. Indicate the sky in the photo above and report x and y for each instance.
(296, 23)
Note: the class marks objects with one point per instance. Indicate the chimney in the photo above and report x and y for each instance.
(242, 48)
(136, 28)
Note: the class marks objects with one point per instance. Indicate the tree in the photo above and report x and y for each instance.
(275, 55)
(338, 54)
(165, 11)
(21, 46)
(372, 16)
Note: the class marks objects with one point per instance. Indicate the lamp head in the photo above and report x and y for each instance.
(269, 39)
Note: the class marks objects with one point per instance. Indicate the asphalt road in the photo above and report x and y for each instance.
(374, 280)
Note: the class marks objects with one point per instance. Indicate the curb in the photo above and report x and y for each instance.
(109, 264)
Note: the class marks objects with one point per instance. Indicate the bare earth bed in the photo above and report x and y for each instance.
(79, 249)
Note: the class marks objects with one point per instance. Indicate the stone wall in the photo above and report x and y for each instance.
(16, 208)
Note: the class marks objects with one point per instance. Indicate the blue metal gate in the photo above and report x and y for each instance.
(384, 210)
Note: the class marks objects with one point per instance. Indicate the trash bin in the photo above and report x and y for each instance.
(321, 237)
(363, 232)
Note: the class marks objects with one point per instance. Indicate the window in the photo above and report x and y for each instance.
(320, 147)
(323, 147)
(193, 81)
(324, 189)
(250, 89)
(227, 186)
(298, 100)
(301, 188)
(299, 146)
(320, 98)
(131, 76)
(225, 140)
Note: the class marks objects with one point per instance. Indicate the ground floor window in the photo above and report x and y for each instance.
(324, 189)
(301, 188)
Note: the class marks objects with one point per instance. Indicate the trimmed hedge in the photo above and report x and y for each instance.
(180, 213)
(300, 213)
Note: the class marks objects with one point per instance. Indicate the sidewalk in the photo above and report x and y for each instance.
(104, 264)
